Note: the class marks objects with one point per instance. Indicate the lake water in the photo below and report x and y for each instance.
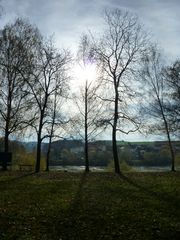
(76, 168)
(152, 169)
(101, 169)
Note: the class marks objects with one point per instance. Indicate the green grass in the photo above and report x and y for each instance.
(60, 205)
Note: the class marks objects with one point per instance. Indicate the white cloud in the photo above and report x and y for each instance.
(68, 19)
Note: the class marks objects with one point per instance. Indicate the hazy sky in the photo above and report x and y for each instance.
(67, 19)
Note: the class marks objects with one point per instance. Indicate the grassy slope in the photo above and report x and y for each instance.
(94, 206)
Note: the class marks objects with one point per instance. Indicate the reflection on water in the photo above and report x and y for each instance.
(152, 169)
(100, 169)
(76, 168)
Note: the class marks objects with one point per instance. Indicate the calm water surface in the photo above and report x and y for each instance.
(76, 168)
(100, 169)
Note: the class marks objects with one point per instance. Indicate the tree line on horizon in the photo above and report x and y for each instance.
(135, 89)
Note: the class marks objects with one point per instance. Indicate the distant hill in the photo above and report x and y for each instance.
(30, 146)
(68, 144)
(71, 152)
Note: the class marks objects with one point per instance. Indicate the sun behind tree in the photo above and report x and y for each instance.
(85, 72)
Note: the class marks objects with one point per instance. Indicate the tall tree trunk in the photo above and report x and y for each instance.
(6, 134)
(38, 153)
(47, 160)
(86, 154)
(52, 132)
(6, 145)
(86, 130)
(6, 150)
(48, 154)
(168, 137)
(170, 147)
(6, 142)
(39, 140)
(115, 152)
(172, 154)
(114, 141)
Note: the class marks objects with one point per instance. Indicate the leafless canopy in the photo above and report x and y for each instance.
(15, 41)
(118, 53)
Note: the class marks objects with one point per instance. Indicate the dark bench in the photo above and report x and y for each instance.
(5, 159)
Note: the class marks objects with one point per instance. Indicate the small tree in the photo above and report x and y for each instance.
(88, 104)
(157, 101)
(56, 120)
(45, 81)
(85, 122)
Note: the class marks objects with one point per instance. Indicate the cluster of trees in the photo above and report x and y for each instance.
(21, 157)
(162, 99)
(149, 156)
(66, 157)
(34, 81)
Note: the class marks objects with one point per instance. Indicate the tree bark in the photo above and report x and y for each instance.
(6, 137)
(48, 155)
(172, 154)
(38, 153)
(39, 139)
(86, 130)
(86, 156)
(6, 143)
(114, 141)
(170, 147)
(169, 139)
(115, 152)
(6, 150)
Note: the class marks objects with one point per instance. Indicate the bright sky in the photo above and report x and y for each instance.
(68, 19)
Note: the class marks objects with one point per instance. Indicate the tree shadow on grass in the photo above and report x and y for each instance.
(65, 226)
(18, 176)
(150, 192)
(75, 206)
(69, 226)
(169, 202)
(168, 199)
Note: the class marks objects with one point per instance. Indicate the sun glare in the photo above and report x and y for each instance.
(85, 73)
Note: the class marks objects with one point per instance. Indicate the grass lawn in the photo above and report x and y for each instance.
(62, 205)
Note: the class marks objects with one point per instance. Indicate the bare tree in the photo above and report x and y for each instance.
(172, 78)
(50, 128)
(90, 109)
(56, 120)
(118, 53)
(156, 100)
(15, 41)
(88, 104)
(46, 80)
